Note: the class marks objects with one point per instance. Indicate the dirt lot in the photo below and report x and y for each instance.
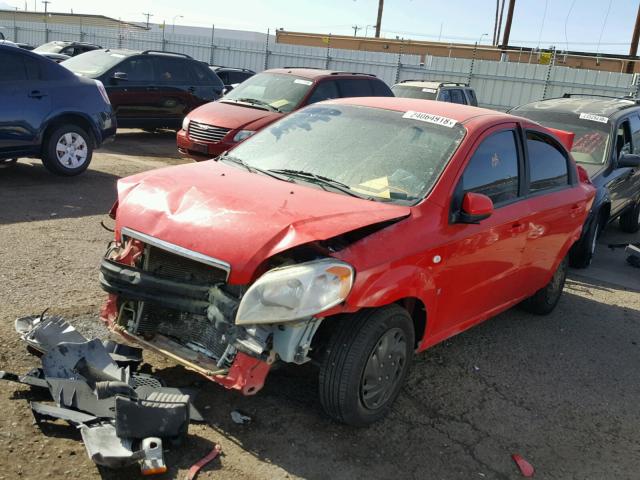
(560, 390)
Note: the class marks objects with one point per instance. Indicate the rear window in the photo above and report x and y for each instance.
(407, 91)
(351, 87)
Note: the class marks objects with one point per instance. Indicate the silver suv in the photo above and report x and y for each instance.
(451, 92)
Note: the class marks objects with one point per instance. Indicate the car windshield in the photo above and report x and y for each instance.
(93, 63)
(51, 47)
(272, 91)
(407, 91)
(367, 152)
(591, 140)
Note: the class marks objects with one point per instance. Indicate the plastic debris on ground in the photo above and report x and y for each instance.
(526, 469)
(240, 418)
(124, 417)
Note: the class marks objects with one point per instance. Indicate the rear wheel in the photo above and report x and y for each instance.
(67, 151)
(545, 300)
(582, 252)
(630, 220)
(365, 364)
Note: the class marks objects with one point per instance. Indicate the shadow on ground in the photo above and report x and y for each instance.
(140, 143)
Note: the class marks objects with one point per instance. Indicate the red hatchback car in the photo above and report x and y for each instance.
(264, 98)
(353, 233)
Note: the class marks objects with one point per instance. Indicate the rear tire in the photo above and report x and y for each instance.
(582, 252)
(545, 300)
(630, 220)
(365, 364)
(67, 150)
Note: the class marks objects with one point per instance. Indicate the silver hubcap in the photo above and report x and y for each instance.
(383, 369)
(71, 150)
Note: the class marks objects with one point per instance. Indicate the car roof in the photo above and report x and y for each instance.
(434, 85)
(459, 113)
(314, 73)
(602, 106)
(235, 69)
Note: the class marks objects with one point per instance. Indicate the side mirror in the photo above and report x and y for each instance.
(227, 89)
(629, 160)
(119, 76)
(475, 207)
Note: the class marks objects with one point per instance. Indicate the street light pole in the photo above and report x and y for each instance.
(379, 21)
(173, 30)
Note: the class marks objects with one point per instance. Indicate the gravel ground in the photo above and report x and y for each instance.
(561, 390)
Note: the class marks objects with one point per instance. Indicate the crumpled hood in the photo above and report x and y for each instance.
(232, 116)
(236, 216)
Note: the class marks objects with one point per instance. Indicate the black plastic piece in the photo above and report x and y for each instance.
(159, 415)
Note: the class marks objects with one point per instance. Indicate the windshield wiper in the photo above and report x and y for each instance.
(320, 179)
(238, 161)
(258, 103)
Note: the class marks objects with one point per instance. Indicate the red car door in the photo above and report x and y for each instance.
(480, 271)
(557, 206)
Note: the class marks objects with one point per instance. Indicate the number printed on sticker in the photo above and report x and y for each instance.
(593, 117)
(429, 118)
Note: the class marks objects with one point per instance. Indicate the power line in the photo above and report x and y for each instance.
(603, 25)
(544, 17)
(566, 38)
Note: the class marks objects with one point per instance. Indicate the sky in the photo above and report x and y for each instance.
(604, 26)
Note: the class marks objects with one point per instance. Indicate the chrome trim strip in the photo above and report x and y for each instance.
(170, 247)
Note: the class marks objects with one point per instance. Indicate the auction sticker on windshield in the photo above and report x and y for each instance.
(427, 117)
(593, 117)
(302, 82)
(429, 90)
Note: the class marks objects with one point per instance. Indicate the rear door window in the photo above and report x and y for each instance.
(172, 70)
(472, 97)
(138, 69)
(444, 96)
(457, 96)
(380, 89)
(350, 87)
(325, 90)
(238, 77)
(548, 167)
(494, 168)
(203, 75)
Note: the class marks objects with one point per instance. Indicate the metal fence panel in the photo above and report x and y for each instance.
(499, 85)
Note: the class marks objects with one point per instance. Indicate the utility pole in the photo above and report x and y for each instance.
(355, 30)
(46, 4)
(507, 27)
(633, 51)
(379, 22)
(148, 15)
(495, 25)
(500, 22)
(46, 27)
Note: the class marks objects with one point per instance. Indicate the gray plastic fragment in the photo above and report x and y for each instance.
(43, 334)
(44, 410)
(87, 361)
(194, 414)
(159, 415)
(105, 448)
(78, 395)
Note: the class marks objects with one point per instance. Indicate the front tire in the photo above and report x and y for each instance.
(365, 364)
(67, 151)
(545, 300)
(630, 220)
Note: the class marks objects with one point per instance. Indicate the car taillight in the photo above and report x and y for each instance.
(103, 91)
(583, 175)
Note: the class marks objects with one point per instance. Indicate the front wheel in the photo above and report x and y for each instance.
(582, 252)
(545, 300)
(365, 364)
(630, 220)
(67, 151)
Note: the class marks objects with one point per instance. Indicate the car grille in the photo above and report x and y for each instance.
(175, 267)
(206, 133)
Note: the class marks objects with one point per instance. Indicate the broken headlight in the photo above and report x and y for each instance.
(299, 291)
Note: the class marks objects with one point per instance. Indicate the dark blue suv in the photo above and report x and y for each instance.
(47, 112)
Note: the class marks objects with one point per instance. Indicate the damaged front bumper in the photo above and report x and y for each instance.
(166, 300)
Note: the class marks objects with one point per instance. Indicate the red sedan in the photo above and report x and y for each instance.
(354, 233)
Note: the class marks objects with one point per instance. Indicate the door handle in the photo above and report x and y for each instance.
(36, 94)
